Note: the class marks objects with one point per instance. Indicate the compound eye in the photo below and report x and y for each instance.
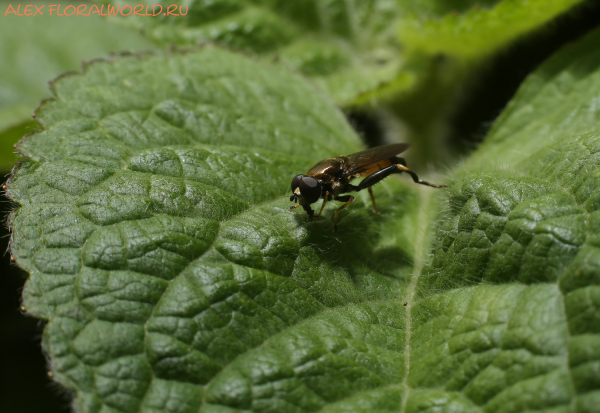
(310, 189)
(296, 181)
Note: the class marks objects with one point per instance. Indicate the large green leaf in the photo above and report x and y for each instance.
(155, 227)
(154, 224)
(513, 290)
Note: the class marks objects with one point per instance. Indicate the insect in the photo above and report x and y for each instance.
(331, 177)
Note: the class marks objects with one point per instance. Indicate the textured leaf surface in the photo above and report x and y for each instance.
(515, 274)
(154, 225)
(348, 48)
(480, 30)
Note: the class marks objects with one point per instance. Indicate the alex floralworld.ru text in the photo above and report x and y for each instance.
(88, 10)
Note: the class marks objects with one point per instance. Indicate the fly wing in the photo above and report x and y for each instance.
(361, 161)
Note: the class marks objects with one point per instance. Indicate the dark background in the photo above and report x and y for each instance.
(24, 384)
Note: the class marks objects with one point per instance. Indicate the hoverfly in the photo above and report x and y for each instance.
(331, 177)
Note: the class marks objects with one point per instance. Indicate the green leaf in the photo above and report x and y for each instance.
(153, 221)
(349, 49)
(480, 31)
(508, 314)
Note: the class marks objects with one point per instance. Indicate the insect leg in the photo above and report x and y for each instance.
(294, 206)
(373, 200)
(416, 178)
(347, 199)
(377, 177)
(309, 211)
(324, 202)
(396, 168)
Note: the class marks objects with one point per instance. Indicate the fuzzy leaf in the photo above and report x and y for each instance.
(154, 223)
(508, 311)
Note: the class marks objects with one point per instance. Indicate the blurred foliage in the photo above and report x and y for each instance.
(355, 51)
(479, 31)
(349, 49)
(8, 138)
(36, 49)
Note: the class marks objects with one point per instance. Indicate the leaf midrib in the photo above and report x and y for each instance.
(421, 244)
